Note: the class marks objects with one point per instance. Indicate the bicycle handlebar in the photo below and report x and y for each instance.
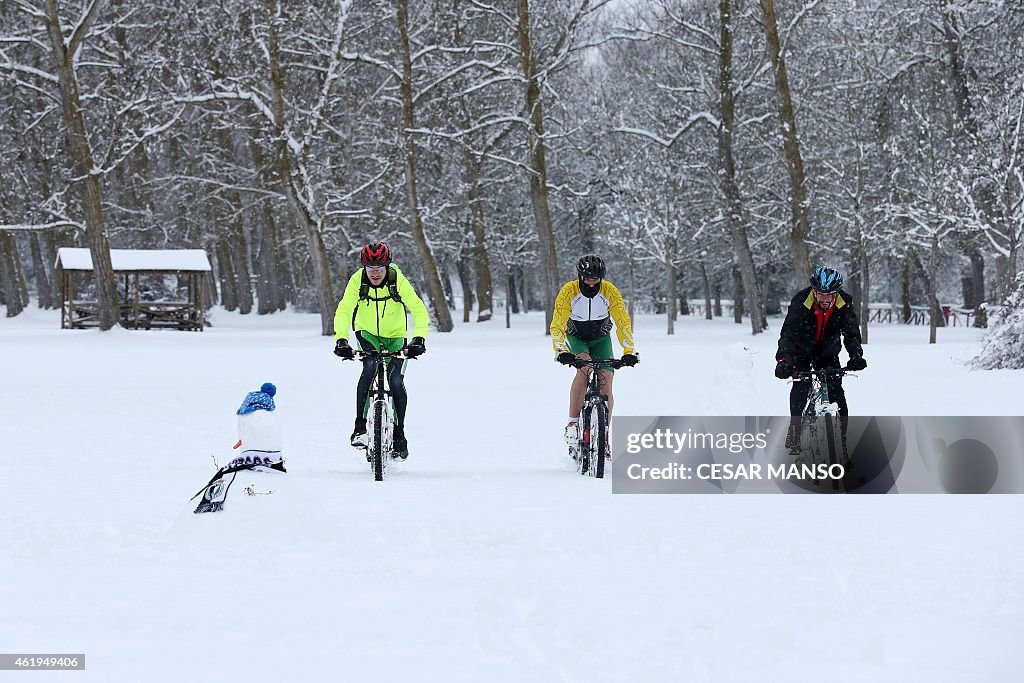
(359, 353)
(828, 372)
(615, 363)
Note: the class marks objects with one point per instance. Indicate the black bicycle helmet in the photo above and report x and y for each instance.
(590, 266)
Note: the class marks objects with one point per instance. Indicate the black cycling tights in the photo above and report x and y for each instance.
(396, 381)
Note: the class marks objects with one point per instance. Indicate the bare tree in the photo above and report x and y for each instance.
(65, 53)
(537, 163)
(443, 315)
(727, 172)
(800, 224)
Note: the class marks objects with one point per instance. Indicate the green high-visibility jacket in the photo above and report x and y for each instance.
(378, 313)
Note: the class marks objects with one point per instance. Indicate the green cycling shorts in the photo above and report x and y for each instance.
(599, 349)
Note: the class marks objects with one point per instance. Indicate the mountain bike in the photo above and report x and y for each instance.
(592, 446)
(819, 410)
(380, 415)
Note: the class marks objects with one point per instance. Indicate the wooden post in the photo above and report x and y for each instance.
(202, 302)
(63, 298)
(135, 307)
(71, 299)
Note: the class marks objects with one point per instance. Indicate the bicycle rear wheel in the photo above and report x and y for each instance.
(583, 442)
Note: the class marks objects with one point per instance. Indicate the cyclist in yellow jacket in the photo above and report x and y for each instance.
(374, 305)
(584, 311)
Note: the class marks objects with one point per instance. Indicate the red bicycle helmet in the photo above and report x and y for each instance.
(375, 254)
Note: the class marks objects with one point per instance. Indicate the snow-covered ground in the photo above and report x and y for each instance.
(483, 558)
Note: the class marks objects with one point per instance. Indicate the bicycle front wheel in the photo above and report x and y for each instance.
(377, 446)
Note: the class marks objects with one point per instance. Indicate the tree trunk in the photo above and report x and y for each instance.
(928, 274)
(727, 174)
(42, 273)
(737, 297)
(865, 299)
(523, 281)
(510, 291)
(446, 285)
(933, 270)
(907, 311)
(466, 280)
(273, 274)
(481, 259)
(210, 285)
(800, 226)
(473, 168)
(707, 292)
(1013, 237)
(963, 114)
(671, 292)
(81, 154)
(444, 316)
(859, 268)
(10, 264)
(978, 287)
(239, 244)
(226, 274)
(671, 284)
(773, 295)
(240, 252)
(965, 130)
(538, 167)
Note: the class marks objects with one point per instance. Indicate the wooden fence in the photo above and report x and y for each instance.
(879, 313)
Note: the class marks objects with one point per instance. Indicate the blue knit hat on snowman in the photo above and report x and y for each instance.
(259, 400)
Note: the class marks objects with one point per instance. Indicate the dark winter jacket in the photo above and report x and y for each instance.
(797, 340)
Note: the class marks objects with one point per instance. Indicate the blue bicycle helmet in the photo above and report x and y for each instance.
(827, 280)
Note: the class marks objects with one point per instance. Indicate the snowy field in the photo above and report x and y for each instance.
(484, 558)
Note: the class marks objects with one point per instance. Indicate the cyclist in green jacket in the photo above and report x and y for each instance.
(374, 305)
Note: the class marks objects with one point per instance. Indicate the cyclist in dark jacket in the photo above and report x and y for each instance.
(810, 338)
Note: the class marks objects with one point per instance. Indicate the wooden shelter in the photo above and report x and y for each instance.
(139, 305)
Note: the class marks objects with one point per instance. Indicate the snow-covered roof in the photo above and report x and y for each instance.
(138, 259)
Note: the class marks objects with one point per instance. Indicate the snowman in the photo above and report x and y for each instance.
(259, 451)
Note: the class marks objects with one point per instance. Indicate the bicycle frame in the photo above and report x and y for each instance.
(594, 424)
(818, 402)
(819, 408)
(380, 415)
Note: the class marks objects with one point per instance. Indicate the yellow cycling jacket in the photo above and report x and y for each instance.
(379, 314)
(590, 317)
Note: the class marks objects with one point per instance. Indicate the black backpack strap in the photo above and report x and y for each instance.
(393, 285)
(364, 286)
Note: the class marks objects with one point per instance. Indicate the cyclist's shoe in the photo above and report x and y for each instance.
(572, 440)
(358, 438)
(400, 445)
